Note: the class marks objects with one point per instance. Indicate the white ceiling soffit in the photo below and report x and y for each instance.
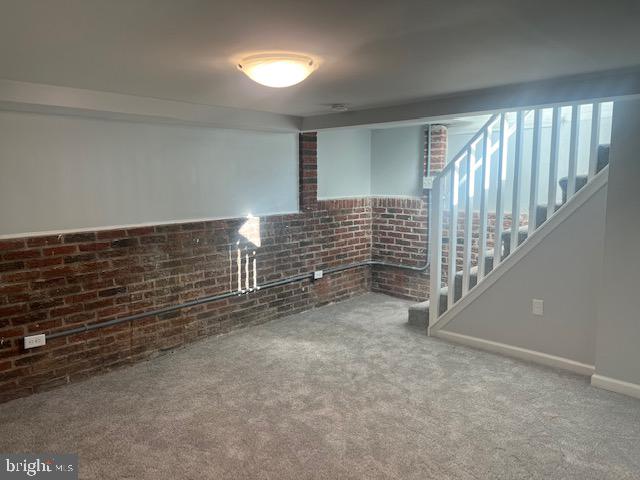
(605, 85)
(31, 97)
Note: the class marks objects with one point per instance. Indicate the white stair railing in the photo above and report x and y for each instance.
(510, 146)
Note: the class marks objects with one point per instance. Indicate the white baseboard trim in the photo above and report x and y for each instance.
(614, 385)
(517, 352)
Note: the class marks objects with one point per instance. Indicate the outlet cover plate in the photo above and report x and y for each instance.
(33, 341)
(537, 307)
(317, 275)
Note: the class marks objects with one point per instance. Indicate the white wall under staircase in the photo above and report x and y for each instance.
(563, 269)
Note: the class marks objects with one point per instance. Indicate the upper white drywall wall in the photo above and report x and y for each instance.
(344, 163)
(362, 162)
(396, 161)
(65, 172)
(563, 270)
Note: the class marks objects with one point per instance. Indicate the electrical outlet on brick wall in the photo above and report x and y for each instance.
(33, 341)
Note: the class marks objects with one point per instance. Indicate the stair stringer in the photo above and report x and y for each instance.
(598, 182)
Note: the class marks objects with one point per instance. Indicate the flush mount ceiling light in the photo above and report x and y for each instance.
(277, 70)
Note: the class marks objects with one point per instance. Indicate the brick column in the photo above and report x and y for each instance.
(438, 143)
(308, 171)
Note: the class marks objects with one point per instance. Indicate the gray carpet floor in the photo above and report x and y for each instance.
(343, 392)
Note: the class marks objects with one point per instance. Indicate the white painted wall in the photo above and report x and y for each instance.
(564, 271)
(396, 161)
(363, 162)
(618, 340)
(344, 163)
(65, 172)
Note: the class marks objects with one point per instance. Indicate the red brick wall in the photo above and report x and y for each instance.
(400, 229)
(60, 282)
(436, 143)
(399, 235)
(308, 170)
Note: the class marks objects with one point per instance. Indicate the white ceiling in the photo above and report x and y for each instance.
(374, 53)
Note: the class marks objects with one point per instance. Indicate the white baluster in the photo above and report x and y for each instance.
(535, 170)
(517, 166)
(573, 150)
(453, 231)
(502, 160)
(485, 176)
(468, 217)
(595, 140)
(553, 163)
(435, 236)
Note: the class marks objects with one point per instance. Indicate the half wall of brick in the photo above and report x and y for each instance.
(52, 283)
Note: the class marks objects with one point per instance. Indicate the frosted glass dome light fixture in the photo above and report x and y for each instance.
(277, 70)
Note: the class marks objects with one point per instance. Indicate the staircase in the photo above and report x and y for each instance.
(469, 236)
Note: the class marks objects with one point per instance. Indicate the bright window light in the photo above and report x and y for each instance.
(250, 230)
